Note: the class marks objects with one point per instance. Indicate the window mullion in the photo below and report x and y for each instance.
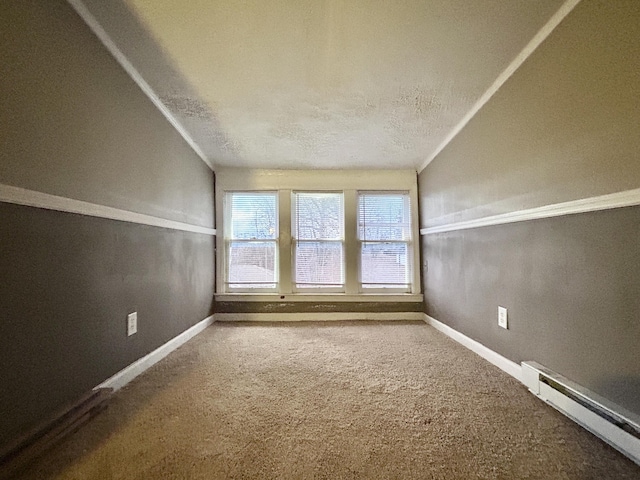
(351, 244)
(285, 246)
(415, 241)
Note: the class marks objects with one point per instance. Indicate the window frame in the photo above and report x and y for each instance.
(228, 240)
(294, 243)
(406, 194)
(284, 182)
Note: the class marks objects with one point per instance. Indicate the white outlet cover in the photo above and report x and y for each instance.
(502, 317)
(132, 323)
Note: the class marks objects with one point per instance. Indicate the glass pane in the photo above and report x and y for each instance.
(252, 265)
(385, 265)
(253, 215)
(319, 264)
(384, 216)
(318, 216)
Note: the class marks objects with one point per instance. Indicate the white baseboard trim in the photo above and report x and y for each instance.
(611, 422)
(316, 316)
(498, 360)
(127, 374)
(622, 441)
(529, 374)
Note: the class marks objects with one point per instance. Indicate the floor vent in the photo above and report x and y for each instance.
(614, 425)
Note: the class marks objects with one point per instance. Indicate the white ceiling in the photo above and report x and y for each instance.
(301, 84)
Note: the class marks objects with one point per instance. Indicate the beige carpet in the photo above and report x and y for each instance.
(331, 401)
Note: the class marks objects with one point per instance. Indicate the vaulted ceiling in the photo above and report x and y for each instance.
(318, 83)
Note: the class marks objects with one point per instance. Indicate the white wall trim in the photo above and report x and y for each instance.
(533, 44)
(315, 298)
(127, 374)
(498, 360)
(610, 432)
(619, 439)
(627, 198)
(31, 198)
(232, 179)
(316, 316)
(110, 45)
(528, 373)
(285, 182)
(532, 371)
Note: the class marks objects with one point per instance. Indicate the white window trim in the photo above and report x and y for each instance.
(285, 182)
(411, 254)
(295, 241)
(227, 242)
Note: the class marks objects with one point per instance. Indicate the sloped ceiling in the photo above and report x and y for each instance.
(302, 84)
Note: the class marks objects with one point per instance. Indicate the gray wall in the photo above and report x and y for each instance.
(68, 283)
(565, 126)
(570, 286)
(74, 124)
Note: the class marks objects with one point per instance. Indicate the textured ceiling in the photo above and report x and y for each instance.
(320, 83)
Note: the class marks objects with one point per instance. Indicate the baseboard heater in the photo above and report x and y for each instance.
(19, 453)
(613, 424)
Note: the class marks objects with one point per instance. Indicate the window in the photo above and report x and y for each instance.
(384, 234)
(332, 235)
(252, 241)
(318, 241)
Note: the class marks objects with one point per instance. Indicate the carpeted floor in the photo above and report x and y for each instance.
(332, 401)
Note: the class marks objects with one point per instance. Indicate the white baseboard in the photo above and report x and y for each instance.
(622, 441)
(498, 360)
(536, 376)
(316, 316)
(529, 372)
(127, 374)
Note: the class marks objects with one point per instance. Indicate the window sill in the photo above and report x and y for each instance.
(319, 297)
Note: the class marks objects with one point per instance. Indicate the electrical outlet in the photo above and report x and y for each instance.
(132, 323)
(502, 317)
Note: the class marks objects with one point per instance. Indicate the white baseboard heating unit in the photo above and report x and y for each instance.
(614, 425)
